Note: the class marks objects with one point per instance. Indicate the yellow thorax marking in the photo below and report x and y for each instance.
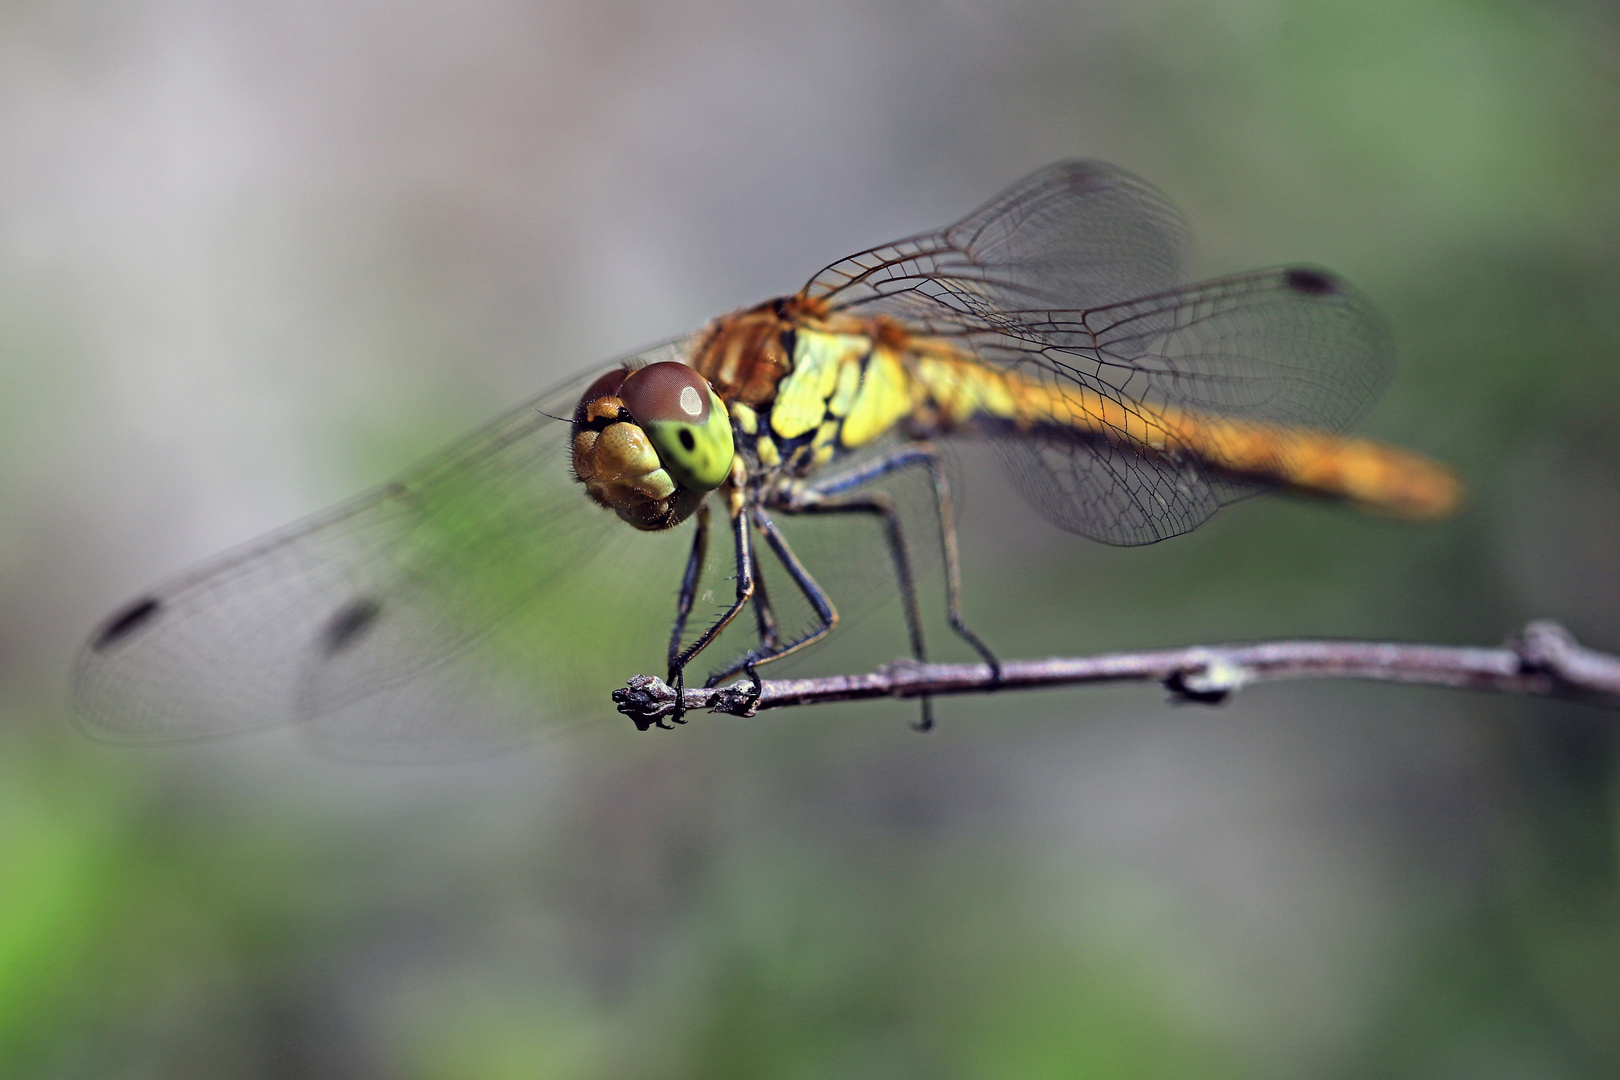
(825, 444)
(818, 361)
(744, 417)
(883, 399)
(849, 383)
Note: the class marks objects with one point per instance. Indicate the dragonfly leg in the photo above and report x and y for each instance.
(814, 595)
(807, 501)
(689, 583)
(751, 668)
(742, 543)
(765, 622)
(945, 509)
(923, 455)
(764, 614)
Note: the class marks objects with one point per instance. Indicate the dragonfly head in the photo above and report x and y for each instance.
(650, 443)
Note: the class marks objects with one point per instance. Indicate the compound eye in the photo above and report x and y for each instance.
(666, 391)
(686, 421)
(606, 386)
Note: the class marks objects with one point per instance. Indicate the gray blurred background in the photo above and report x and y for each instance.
(254, 258)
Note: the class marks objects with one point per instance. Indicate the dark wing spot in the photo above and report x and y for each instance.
(349, 624)
(1310, 282)
(687, 442)
(126, 622)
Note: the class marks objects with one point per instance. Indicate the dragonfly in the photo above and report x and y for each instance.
(1125, 406)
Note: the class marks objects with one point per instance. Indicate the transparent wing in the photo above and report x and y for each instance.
(380, 624)
(1294, 347)
(1070, 278)
(1290, 345)
(1077, 234)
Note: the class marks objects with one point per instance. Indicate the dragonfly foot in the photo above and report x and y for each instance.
(926, 722)
(757, 688)
(677, 681)
(731, 699)
(979, 647)
(995, 665)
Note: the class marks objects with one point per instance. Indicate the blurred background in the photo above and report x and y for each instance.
(254, 258)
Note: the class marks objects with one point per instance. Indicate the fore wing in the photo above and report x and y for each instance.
(1077, 234)
(373, 623)
(1070, 279)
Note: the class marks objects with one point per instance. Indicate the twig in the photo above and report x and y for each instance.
(1543, 659)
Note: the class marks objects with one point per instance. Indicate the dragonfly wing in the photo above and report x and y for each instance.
(1077, 234)
(388, 597)
(1291, 346)
(1070, 277)
(1110, 493)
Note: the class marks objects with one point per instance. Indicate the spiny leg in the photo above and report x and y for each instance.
(742, 544)
(814, 595)
(689, 583)
(820, 498)
(924, 455)
(945, 510)
(809, 501)
(764, 614)
(765, 623)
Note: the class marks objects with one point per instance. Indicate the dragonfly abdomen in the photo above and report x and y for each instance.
(1371, 474)
(958, 393)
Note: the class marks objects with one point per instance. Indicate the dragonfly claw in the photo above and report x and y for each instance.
(677, 681)
(756, 687)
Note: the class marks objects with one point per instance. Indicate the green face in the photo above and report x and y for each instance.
(685, 420)
(696, 453)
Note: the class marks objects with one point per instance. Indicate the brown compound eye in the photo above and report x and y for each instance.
(685, 420)
(606, 386)
(666, 391)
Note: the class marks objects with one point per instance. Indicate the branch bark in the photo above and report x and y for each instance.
(1543, 659)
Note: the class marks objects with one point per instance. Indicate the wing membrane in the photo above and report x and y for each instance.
(1290, 346)
(1077, 234)
(373, 601)
(1069, 278)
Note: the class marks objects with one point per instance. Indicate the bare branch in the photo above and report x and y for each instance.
(1544, 659)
